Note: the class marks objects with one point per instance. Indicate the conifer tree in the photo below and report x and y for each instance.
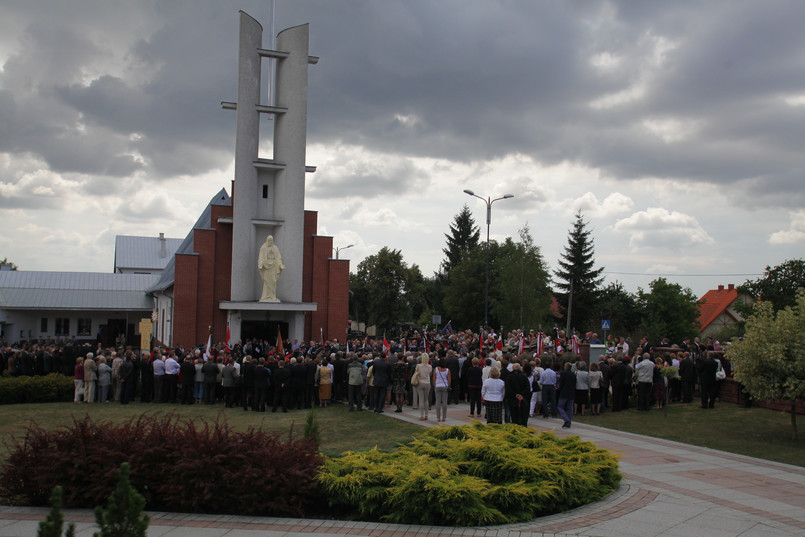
(54, 522)
(577, 272)
(123, 516)
(464, 237)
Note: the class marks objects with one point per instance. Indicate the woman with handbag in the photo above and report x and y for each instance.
(441, 383)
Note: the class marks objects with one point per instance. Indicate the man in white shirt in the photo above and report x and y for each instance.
(645, 382)
(172, 377)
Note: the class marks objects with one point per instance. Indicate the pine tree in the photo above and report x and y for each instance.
(577, 272)
(123, 516)
(54, 522)
(464, 237)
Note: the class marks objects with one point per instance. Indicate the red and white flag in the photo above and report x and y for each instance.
(386, 346)
(574, 344)
(520, 344)
(540, 342)
(227, 338)
(280, 346)
(499, 344)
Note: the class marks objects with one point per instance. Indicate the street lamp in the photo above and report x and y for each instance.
(489, 201)
(337, 249)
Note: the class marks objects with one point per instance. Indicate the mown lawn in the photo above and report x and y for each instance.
(340, 430)
(757, 432)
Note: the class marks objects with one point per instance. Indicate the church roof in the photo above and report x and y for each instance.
(186, 247)
(74, 290)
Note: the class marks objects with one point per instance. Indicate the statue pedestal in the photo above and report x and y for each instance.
(291, 314)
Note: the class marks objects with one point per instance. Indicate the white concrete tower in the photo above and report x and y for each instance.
(269, 193)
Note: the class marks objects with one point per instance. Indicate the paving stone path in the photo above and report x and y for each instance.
(669, 489)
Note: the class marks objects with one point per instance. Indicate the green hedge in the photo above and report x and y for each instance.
(470, 475)
(50, 388)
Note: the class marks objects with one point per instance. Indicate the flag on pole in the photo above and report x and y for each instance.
(208, 353)
(425, 339)
(574, 344)
(448, 329)
(347, 346)
(499, 344)
(521, 344)
(321, 333)
(227, 338)
(280, 346)
(540, 342)
(386, 346)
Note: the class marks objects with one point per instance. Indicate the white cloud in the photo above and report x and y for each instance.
(614, 204)
(794, 234)
(660, 228)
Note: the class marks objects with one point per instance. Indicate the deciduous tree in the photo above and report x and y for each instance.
(667, 310)
(770, 360)
(779, 285)
(522, 285)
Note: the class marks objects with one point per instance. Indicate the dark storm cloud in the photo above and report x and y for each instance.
(606, 85)
(484, 80)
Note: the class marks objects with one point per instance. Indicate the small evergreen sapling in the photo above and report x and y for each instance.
(54, 522)
(123, 516)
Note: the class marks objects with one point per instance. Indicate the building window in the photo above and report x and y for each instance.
(62, 327)
(85, 327)
(43, 325)
(265, 192)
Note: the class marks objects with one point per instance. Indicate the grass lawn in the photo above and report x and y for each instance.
(340, 430)
(757, 432)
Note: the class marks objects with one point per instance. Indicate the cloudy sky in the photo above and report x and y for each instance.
(676, 127)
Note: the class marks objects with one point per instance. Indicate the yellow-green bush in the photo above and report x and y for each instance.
(470, 475)
(50, 388)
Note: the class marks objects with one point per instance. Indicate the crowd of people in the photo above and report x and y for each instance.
(502, 379)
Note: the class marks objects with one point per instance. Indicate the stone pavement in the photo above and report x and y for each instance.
(669, 489)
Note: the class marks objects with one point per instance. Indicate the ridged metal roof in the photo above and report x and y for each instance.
(143, 253)
(74, 290)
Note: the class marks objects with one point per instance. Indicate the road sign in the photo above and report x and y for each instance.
(605, 324)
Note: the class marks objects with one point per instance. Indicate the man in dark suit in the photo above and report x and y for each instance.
(687, 374)
(382, 378)
(707, 368)
(298, 380)
(518, 393)
(566, 393)
(281, 380)
(188, 370)
(262, 376)
(618, 378)
(247, 390)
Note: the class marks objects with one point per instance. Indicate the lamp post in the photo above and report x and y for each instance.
(337, 249)
(489, 201)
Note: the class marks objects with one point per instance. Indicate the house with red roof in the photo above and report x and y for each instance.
(717, 312)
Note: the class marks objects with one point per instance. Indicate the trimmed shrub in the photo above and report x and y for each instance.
(47, 389)
(470, 475)
(176, 465)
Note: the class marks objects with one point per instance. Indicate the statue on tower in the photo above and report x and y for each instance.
(270, 265)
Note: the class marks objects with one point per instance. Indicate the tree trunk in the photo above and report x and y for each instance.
(794, 420)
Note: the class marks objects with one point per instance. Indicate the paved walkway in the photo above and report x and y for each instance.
(669, 489)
